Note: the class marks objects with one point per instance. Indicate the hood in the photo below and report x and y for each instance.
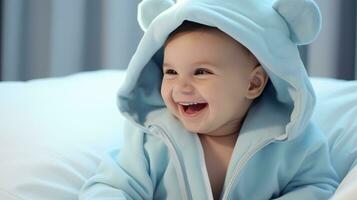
(271, 30)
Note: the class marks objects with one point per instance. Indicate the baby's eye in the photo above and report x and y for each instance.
(170, 72)
(202, 71)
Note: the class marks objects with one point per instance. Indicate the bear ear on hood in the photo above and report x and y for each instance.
(303, 18)
(149, 9)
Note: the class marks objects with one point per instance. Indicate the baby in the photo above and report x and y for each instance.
(218, 105)
(209, 83)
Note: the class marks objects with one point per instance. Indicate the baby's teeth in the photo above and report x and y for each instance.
(188, 104)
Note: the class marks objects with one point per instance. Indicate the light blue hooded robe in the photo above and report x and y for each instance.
(279, 153)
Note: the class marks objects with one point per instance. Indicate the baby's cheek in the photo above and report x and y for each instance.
(166, 95)
(164, 91)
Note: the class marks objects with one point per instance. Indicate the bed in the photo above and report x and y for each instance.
(54, 131)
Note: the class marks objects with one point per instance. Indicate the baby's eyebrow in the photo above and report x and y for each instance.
(165, 64)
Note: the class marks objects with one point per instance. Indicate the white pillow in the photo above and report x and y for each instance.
(336, 114)
(54, 131)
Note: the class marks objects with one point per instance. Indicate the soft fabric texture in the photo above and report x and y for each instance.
(279, 151)
(54, 131)
(336, 113)
(53, 155)
(347, 190)
(302, 17)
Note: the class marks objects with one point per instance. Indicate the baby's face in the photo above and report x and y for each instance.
(206, 78)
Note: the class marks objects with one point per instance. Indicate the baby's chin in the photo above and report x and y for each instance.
(207, 131)
(198, 130)
(187, 127)
(193, 128)
(204, 131)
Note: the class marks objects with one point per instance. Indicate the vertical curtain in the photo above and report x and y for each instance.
(43, 38)
(333, 54)
(1, 29)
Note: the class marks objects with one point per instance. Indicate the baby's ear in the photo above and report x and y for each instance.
(303, 18)
(149, 9)
(258, 79)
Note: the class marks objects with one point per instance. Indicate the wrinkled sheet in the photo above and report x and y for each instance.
(347, 190)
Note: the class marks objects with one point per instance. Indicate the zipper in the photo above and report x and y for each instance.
(181, 175)
(241, 164)
(204, 168)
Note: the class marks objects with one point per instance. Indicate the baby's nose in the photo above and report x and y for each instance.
(185, 88)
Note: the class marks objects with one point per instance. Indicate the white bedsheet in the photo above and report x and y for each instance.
(347, 190)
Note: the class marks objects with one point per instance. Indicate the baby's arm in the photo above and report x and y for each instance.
(122, 174)
(316, 177)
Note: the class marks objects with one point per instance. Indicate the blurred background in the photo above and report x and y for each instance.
(49, 38)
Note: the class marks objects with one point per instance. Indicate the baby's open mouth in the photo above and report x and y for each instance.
(193, 108)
